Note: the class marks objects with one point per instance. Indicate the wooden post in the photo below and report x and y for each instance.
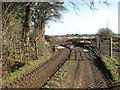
(96, 41)
(111, 47)
(35, 50)
(99, 43)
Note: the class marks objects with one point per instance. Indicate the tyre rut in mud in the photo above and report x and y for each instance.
(36, 77)
(87, 71)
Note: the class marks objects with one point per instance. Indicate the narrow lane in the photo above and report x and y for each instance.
(85, 73)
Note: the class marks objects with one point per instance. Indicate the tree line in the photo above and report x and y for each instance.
(21, 17)
(23, 26)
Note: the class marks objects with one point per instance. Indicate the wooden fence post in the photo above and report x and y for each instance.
(96, 41)
(36, 55)
(99, 43)
(111, 47)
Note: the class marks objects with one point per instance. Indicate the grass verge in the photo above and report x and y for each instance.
(116, 44)
(28, 65)
(113, 65)
(60, 76)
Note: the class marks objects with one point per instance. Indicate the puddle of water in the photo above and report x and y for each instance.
(88, 42)
(60, 47)
(92, 53)
(56, 45)
(82, 41)
(71, 47)
(85, 50)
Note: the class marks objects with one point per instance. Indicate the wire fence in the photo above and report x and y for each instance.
(19, 52)
(109, 46)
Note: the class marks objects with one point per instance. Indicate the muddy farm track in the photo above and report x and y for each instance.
(87, 71)
(39, 75)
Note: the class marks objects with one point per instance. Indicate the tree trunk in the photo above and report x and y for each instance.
(26, 30)
(27, 23)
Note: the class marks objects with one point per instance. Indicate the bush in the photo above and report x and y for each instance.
(105, 32)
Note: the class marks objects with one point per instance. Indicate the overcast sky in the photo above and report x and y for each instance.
(88, 21)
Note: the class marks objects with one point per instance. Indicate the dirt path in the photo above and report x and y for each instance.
(36, 77)
(85, 72)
